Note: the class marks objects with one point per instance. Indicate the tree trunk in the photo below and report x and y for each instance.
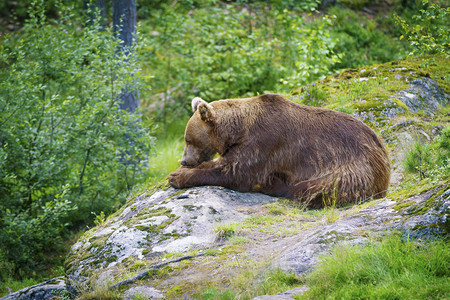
(124, 25)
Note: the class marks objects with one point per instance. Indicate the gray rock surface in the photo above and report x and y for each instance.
(146, 292)
(46, 290)
(166, 221)
(424, 94)
(194, 213)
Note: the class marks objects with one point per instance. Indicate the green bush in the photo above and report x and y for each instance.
(418, 159)
(219, 50)
(427, 30)
(66, 149)
(360, 42)
(313, 48)
(11, 10)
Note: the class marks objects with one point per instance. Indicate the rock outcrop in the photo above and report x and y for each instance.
(190, 221)
(156, 223)
(424, 94)
(47, 290)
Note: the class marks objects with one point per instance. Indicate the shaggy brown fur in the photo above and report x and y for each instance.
(274, 146)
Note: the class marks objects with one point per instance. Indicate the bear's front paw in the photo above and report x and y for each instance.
(178, 178)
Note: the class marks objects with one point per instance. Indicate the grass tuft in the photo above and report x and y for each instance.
(225, 231)
(271, 282)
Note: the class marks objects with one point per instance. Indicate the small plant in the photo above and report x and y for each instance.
(418, 160)
(225, 231)
(430, 160)
(329, 203)
(313, 95)
(277, 208)
(100, 218)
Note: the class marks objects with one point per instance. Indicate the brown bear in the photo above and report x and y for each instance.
(272, 145)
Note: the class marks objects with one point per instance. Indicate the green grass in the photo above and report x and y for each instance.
(15, 285)
(389, 269)
(270, 283)
(167, 157)
(169, 149)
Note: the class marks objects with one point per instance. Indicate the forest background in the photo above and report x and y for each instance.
(66, 160)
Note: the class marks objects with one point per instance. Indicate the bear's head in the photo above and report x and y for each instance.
(200, 140)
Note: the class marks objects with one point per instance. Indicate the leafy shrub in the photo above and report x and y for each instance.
(314, 52)
(360, 42)
(66, 149)
(243, 48)
(428, 30)
(19, 9)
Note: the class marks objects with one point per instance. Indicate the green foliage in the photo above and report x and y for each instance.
(360, 42)
(226, 51)
(220, 295)
(99, 219)
(14, 285)
(390, 269)
(430, 160)
(101, 294)
(19, 9)
(169, 147)
(443, 146)
(356, 4)
(66, 149)
(427, 31)
(313, 49)
(418, 159)
(313, 95)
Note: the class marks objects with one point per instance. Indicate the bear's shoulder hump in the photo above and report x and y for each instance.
(272, 98)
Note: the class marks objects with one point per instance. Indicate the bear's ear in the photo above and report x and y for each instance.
(196, 102)
(206, 110)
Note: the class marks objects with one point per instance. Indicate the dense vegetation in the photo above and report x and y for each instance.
(66, 158)
(67, 152)
(226, 50)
